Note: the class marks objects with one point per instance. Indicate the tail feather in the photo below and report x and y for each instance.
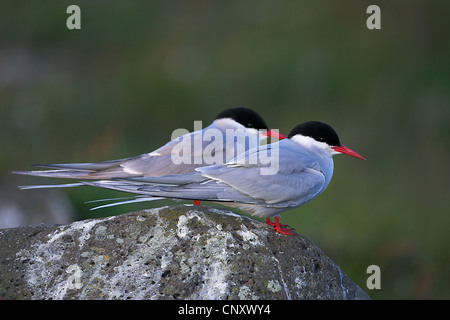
(84, 166)
(136, 200)
(111, 199)
(203, 191)
(111, 173)
(48, 186)
(62, 173)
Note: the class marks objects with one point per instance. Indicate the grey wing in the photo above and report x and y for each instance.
(298, 178)
(101, 170)
(156, 163)
(212, 145)
(297, 181)
(178, 156)
(228, 184)
(206, 189)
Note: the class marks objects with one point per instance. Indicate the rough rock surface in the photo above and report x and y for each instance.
(180, 252)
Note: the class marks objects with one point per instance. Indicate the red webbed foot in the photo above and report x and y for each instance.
(280, 228)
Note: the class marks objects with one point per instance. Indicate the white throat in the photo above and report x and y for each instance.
(228, 123)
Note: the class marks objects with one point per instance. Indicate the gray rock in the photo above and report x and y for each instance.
(180, 252)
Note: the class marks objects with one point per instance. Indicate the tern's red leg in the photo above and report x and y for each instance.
(197, 202)
(272, 224)
(281, 228)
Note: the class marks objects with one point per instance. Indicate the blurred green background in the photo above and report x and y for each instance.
(137, 70)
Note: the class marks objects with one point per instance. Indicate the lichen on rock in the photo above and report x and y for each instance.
(179, 252)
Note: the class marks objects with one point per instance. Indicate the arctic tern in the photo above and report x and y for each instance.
(305, 170)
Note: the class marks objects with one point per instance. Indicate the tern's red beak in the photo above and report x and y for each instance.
(348, 151)
(275, 134)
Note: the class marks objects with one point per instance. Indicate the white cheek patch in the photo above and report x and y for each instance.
(227, 123)
(308, 142)
(312, 144)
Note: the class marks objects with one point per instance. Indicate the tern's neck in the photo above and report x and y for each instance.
(322, 152)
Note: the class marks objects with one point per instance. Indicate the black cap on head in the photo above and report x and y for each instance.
(319, 131)
(248, 118)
